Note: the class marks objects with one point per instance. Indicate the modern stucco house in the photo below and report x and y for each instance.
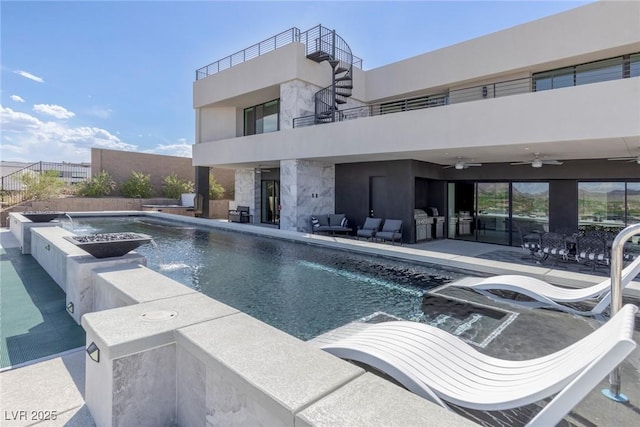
(560, 94)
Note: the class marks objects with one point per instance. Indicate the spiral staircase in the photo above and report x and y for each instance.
(322, 45)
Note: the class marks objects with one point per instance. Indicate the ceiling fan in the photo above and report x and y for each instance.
(260, 170)
(628, 159)
(459, 164)
(537, 162)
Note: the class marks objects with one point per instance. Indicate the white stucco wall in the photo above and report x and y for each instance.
(568, 38)
(573, 114)
(215, 123)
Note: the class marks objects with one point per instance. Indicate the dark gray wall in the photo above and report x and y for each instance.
(202, 188)
(563, 204)
(412, 184)
(352, 191)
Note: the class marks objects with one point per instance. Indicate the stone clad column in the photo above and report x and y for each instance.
(306, 188)
(296, 100)
(247, 192)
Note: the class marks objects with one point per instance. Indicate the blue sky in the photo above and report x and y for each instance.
(119, 74)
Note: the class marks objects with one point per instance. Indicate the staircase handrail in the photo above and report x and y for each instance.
(9, 195)
(617, 252)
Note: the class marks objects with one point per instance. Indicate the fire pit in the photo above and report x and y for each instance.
(41, 216)
(107, 245)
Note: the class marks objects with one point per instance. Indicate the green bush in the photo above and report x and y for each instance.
(173, 187)
(216, 190)
(42, 186)
(99, 185)
(137, 185)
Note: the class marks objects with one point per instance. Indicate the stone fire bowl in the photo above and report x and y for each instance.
(41, 216)
(107, 245)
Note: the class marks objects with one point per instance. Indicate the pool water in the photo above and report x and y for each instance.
(302, 289)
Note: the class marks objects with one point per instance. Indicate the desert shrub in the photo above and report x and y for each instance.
(216, 190)
(137, 185)
(173, 187)
(42, 186)
(99, 185)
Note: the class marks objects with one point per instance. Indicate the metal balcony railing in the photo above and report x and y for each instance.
(537, 83)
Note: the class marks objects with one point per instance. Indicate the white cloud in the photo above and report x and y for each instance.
(29, 76)
(99, 112)
(16, 98)
(53, 110)
(181, 149)
(27, 138)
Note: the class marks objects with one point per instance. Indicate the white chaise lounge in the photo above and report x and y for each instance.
(547, 295)
(441, 367)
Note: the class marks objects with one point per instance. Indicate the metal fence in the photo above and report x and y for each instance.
(14, 191)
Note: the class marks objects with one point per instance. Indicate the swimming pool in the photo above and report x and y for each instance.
(302, 289)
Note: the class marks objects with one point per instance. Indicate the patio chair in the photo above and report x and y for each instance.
(546, 295)
(442, 368)
(553, 245)
(369, 228)
(391, 231)
(530, 242)
(592, 249)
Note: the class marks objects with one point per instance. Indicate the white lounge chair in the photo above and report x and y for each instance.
(441, 367)
(551, 296)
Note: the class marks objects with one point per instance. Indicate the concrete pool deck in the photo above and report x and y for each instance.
(58, 384)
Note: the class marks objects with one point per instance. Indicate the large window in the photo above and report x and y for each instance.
(262, 118)
(633, 203)
(608, 206)
(592, 72)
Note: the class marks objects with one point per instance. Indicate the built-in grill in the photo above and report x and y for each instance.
(438, 222)
(464, 223)
(424, 224)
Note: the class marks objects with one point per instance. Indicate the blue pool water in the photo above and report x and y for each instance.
(301, 289)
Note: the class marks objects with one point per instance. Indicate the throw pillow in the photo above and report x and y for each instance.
(314, 222)
(344, 223)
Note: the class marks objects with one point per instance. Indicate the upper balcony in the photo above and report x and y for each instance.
(577, 122)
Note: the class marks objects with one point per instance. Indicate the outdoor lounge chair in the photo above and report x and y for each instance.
(369, 228)
(442, 368)
(391, 231)
(546, 295)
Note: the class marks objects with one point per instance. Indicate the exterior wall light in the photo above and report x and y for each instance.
(70, 307)
(459, 166)
(94, 352)
(536, 163)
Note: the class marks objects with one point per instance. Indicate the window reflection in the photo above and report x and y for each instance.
(530, 209)
(601, 206)
(262, 118)
(633, 203)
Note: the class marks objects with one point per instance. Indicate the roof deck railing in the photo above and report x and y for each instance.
(292, 35)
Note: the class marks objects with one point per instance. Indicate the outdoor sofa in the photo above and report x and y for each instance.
(240, 214)
(330, 223)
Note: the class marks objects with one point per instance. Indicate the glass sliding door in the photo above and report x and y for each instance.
(479, 211)
(492, 212)
(529, 209)
(633, 203)
(270, 202)
(601, 206)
